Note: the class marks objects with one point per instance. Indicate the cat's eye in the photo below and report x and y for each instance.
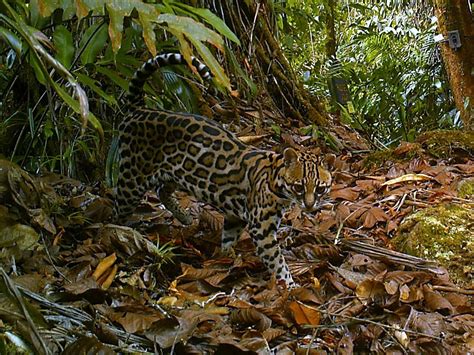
(321, 189)
(298, 188)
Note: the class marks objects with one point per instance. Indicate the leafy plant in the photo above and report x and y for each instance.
(60, 62)
(387, 55)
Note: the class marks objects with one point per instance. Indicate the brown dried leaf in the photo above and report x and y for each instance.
(410, 294)
(435, 302)
(405, 277)
(134, 321)
(88, 345)
(347, 193)
(211, 218)
(352, 278)
(191, 273)
(342, 212)
(463, 323)
(338, 284)
(407, 178)
(428, 323)
(106, 280)
(272, 333)
(237, 303)
(169, 331)
(82, 286)
(251, 317)
(444, 177)
(125, 239)
(391, 287)
(346, 345)
(305, 295)
(368, 185)
(424, 345)
(104, 264)
(461, 303)
(353, 310)
(374, 215)
(254, 140)
(304, 315)
(370, 291)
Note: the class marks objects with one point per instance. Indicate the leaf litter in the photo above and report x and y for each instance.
(72, 282)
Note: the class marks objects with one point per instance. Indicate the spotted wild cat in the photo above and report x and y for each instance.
(164, 151)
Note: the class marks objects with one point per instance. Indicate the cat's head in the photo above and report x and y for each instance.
(306, 178)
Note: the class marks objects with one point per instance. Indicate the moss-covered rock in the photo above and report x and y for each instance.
(446, 143)
(404, 152)
(438, 144)
(443, 233)
(466, 188)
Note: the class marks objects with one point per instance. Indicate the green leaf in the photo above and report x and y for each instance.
(112, 75)
(11, 39)
(185, 28)
(193, 30)
(37, 68)
(146, 14)
(116, 15)
(148, 30)
(63, 43)
(74, 104)
(93, 41)
(211, 19)
(212, 63)
(93, 85)
(236, 68)
(276, 129)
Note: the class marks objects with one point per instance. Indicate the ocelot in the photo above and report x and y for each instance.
(165, 150)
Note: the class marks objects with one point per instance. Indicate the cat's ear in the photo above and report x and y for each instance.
(328, 161)
(291, 157)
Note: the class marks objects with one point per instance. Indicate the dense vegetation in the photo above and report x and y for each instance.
(64, 69)
(388, 57)
(324, 76)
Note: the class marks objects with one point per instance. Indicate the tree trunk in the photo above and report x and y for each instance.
(263, 59)
(455, 15)
(331, 43)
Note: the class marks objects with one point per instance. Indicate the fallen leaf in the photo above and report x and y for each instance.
(435, 302)
(304, 315)
(104, 264)
(348, 194)
(250, 317)
(407, 178)
(254, 140)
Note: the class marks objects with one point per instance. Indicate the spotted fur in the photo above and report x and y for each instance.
(165, 151)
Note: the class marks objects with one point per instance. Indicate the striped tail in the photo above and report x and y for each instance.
(135, 93)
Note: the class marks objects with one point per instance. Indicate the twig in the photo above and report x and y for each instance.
(453, 289)
(361, 320)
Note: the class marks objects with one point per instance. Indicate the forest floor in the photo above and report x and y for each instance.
(73, 283)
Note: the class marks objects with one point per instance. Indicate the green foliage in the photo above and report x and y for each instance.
(386, 53)
(64, 65)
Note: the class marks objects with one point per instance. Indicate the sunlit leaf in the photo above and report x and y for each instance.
(185, 28)
(148, 30)
(195, 31)
(11, 39)
(211, 19)
(119, 9)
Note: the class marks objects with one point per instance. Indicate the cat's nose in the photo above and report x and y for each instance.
(309, 201)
